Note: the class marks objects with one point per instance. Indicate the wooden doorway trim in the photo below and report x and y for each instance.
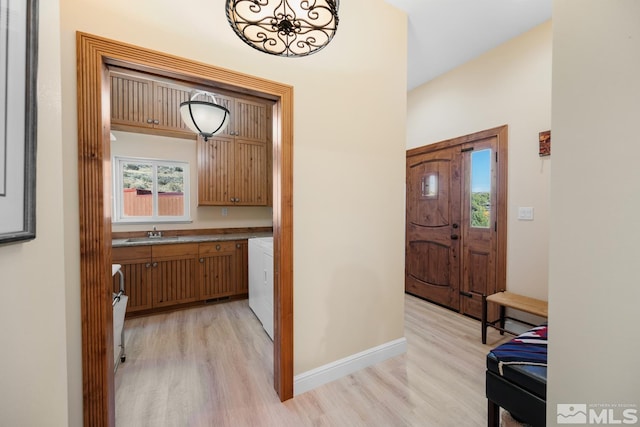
(501, 134)
(94, 54)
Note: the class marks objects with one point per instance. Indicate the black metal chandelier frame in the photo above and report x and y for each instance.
(288, 28)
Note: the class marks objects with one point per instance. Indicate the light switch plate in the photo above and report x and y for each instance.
(525, 214)
(225, 211)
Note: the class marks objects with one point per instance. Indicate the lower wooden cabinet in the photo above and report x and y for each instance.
(173, 274)
(164, 276)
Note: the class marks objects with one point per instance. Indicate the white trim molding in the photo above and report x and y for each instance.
(348, 365)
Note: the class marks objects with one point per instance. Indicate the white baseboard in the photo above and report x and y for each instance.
(348, 365)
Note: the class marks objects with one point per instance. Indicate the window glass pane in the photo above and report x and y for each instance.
(481, 188)
(170, 190)
(137, 186)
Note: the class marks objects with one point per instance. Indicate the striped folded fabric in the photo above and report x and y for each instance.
(528, 348)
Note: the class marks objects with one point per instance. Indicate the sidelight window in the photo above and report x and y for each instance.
(481, 188)
(149, 190)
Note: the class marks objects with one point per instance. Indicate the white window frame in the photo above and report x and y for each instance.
(118, 216)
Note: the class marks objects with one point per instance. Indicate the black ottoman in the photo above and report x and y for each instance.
(516, 379)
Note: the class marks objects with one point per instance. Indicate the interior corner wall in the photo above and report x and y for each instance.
(35, 383)
(593, 282)
(510, 85)
(348, 216)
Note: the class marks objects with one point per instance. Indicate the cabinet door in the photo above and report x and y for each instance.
(131, 100)
(252, 120)
(215, 171)
(217, 269)
(250, 173)
(174, 270)
(166, 106)
(136, 267)
(229, 103)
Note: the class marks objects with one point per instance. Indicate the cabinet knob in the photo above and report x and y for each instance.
(156, 122)
(201, 260)
(150, 121)
(147, 265)
(238, 245)
(155, 264)
(217, 247)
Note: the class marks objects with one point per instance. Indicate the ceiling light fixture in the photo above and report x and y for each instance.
(284, 27)
(203, 117)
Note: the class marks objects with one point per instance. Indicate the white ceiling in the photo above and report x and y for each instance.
(444, 34)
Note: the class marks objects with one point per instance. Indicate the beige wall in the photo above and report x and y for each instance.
(594, 287)
(348, 171)
(511, 85)
(33, 372)
(130, 144)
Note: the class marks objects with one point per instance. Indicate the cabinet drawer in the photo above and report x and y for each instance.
(130, 253)
(216, 247)
(179, 250)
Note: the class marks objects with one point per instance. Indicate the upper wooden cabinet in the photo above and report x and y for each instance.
(234, 167)
(142, 104)
(233, 172)
(250, 119)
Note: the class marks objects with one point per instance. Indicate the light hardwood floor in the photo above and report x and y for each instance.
(212, 366)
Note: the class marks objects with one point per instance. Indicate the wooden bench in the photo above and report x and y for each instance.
(506, 299)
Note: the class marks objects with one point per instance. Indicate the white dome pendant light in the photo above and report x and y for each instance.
(203, 117)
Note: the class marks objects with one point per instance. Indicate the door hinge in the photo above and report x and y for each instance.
(496, 156)
(495, 226)
(466, 149)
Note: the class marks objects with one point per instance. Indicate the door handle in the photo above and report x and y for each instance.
(454, 237)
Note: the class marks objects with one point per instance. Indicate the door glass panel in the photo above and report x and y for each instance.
(480, 188)
(429, 185)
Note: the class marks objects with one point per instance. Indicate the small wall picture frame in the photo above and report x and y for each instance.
(545, 143)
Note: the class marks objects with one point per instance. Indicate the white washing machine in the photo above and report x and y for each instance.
(261, 281)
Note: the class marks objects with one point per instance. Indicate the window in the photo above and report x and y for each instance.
(148, 190)
(481, 188)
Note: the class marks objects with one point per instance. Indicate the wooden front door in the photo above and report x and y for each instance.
(433, 218)
(456, 220)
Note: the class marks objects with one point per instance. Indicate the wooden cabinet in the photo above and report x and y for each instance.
(250, 119)
(158, 276)
(136, 268)
(233, 172)
(222, 269)
(164, 276)
(234, 167)
(174, 275)
(142, 104)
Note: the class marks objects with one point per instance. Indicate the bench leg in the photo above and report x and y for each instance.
(502, 314)
(484, 319)
(493, 414)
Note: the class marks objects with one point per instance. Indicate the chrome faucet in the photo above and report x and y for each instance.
(155, 233)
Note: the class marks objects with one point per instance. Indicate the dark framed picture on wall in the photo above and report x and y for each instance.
(18, 119)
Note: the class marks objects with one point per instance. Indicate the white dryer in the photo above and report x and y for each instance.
(261, 281)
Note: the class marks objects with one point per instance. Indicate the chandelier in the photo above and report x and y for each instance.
(284, 27)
